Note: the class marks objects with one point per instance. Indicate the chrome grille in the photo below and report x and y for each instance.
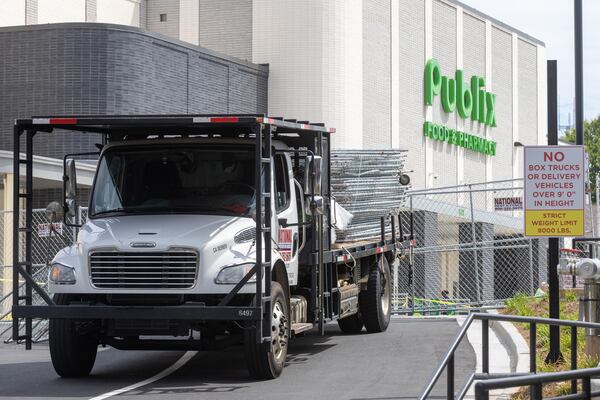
(175, 269)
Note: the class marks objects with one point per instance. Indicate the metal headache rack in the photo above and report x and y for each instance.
(117, 128)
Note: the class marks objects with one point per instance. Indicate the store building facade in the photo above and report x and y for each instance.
(461, 91)
(360, 66)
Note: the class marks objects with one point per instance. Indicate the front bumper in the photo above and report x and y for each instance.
(195, 312)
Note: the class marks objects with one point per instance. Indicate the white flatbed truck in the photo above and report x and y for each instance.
(202, 230)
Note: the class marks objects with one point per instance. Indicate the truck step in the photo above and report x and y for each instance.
(301, 327)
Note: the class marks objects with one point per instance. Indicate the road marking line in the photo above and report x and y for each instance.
(168, 371)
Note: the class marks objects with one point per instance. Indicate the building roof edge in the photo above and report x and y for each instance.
(497, 22)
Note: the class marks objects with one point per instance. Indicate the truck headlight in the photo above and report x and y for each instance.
(61, 274)
(234, 274)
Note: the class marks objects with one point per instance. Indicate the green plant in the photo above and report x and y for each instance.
(525, 305)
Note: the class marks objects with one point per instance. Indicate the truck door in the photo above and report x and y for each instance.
(285, 209)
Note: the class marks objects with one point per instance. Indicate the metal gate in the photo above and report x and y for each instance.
(44, 246)
(468, 249)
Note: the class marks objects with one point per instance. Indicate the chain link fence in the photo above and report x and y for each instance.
(469, 250)
(46, 243)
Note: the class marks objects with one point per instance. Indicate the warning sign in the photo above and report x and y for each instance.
(554, 190)
(43, 230)
(285, 244)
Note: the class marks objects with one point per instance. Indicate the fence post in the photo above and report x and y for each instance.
(533, 285)
(481, 393)
(450, 377)
(533, 347)
(473, 243)
(586, 385)
(536, 391)
(411, 258)
(485, 344)
(574, 357)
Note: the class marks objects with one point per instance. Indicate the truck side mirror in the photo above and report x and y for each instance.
(312, 175)
(54, 212)
(70, 178)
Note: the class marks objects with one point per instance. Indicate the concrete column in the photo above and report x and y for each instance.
(395, 60)
(511, 277)
(517, 164)
(189, 16)
(91, 10)
(31, 12)
(428, 110)
(460, 123)
(7, 238)
(427, 272)
(476, 273)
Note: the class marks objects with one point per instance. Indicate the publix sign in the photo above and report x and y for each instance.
(469, 100)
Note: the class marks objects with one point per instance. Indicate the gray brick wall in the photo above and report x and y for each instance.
(61, 69)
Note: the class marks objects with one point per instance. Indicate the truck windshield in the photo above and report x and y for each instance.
(208, 179)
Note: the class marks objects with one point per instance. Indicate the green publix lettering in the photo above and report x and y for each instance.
(470, 101)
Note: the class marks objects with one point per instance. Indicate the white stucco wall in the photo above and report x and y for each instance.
(12, 12)
(314, 50)
(125, 12)
(358, 66)
(50, 11)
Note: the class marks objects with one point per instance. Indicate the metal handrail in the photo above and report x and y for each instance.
(448, 360)
(535, 382)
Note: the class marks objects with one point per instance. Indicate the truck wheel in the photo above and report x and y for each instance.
(375, 304)
(351, 324)
(264, 363)
(73, 354)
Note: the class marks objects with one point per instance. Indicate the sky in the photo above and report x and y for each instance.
(551, 21)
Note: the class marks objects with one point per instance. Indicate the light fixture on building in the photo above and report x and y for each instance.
(518, 144)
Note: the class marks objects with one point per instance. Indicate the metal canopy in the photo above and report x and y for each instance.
(157, 124)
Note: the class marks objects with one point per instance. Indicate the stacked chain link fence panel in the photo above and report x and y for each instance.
(366, 183)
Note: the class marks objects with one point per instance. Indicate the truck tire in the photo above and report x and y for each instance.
(262, 362)
(375, 302)
(351, 324)
(73, 354)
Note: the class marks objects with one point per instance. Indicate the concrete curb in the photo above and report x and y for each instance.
(509, 351)
(515, 344)
(516, 348)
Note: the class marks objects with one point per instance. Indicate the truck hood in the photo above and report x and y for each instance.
(213, 237)
(161, 232)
